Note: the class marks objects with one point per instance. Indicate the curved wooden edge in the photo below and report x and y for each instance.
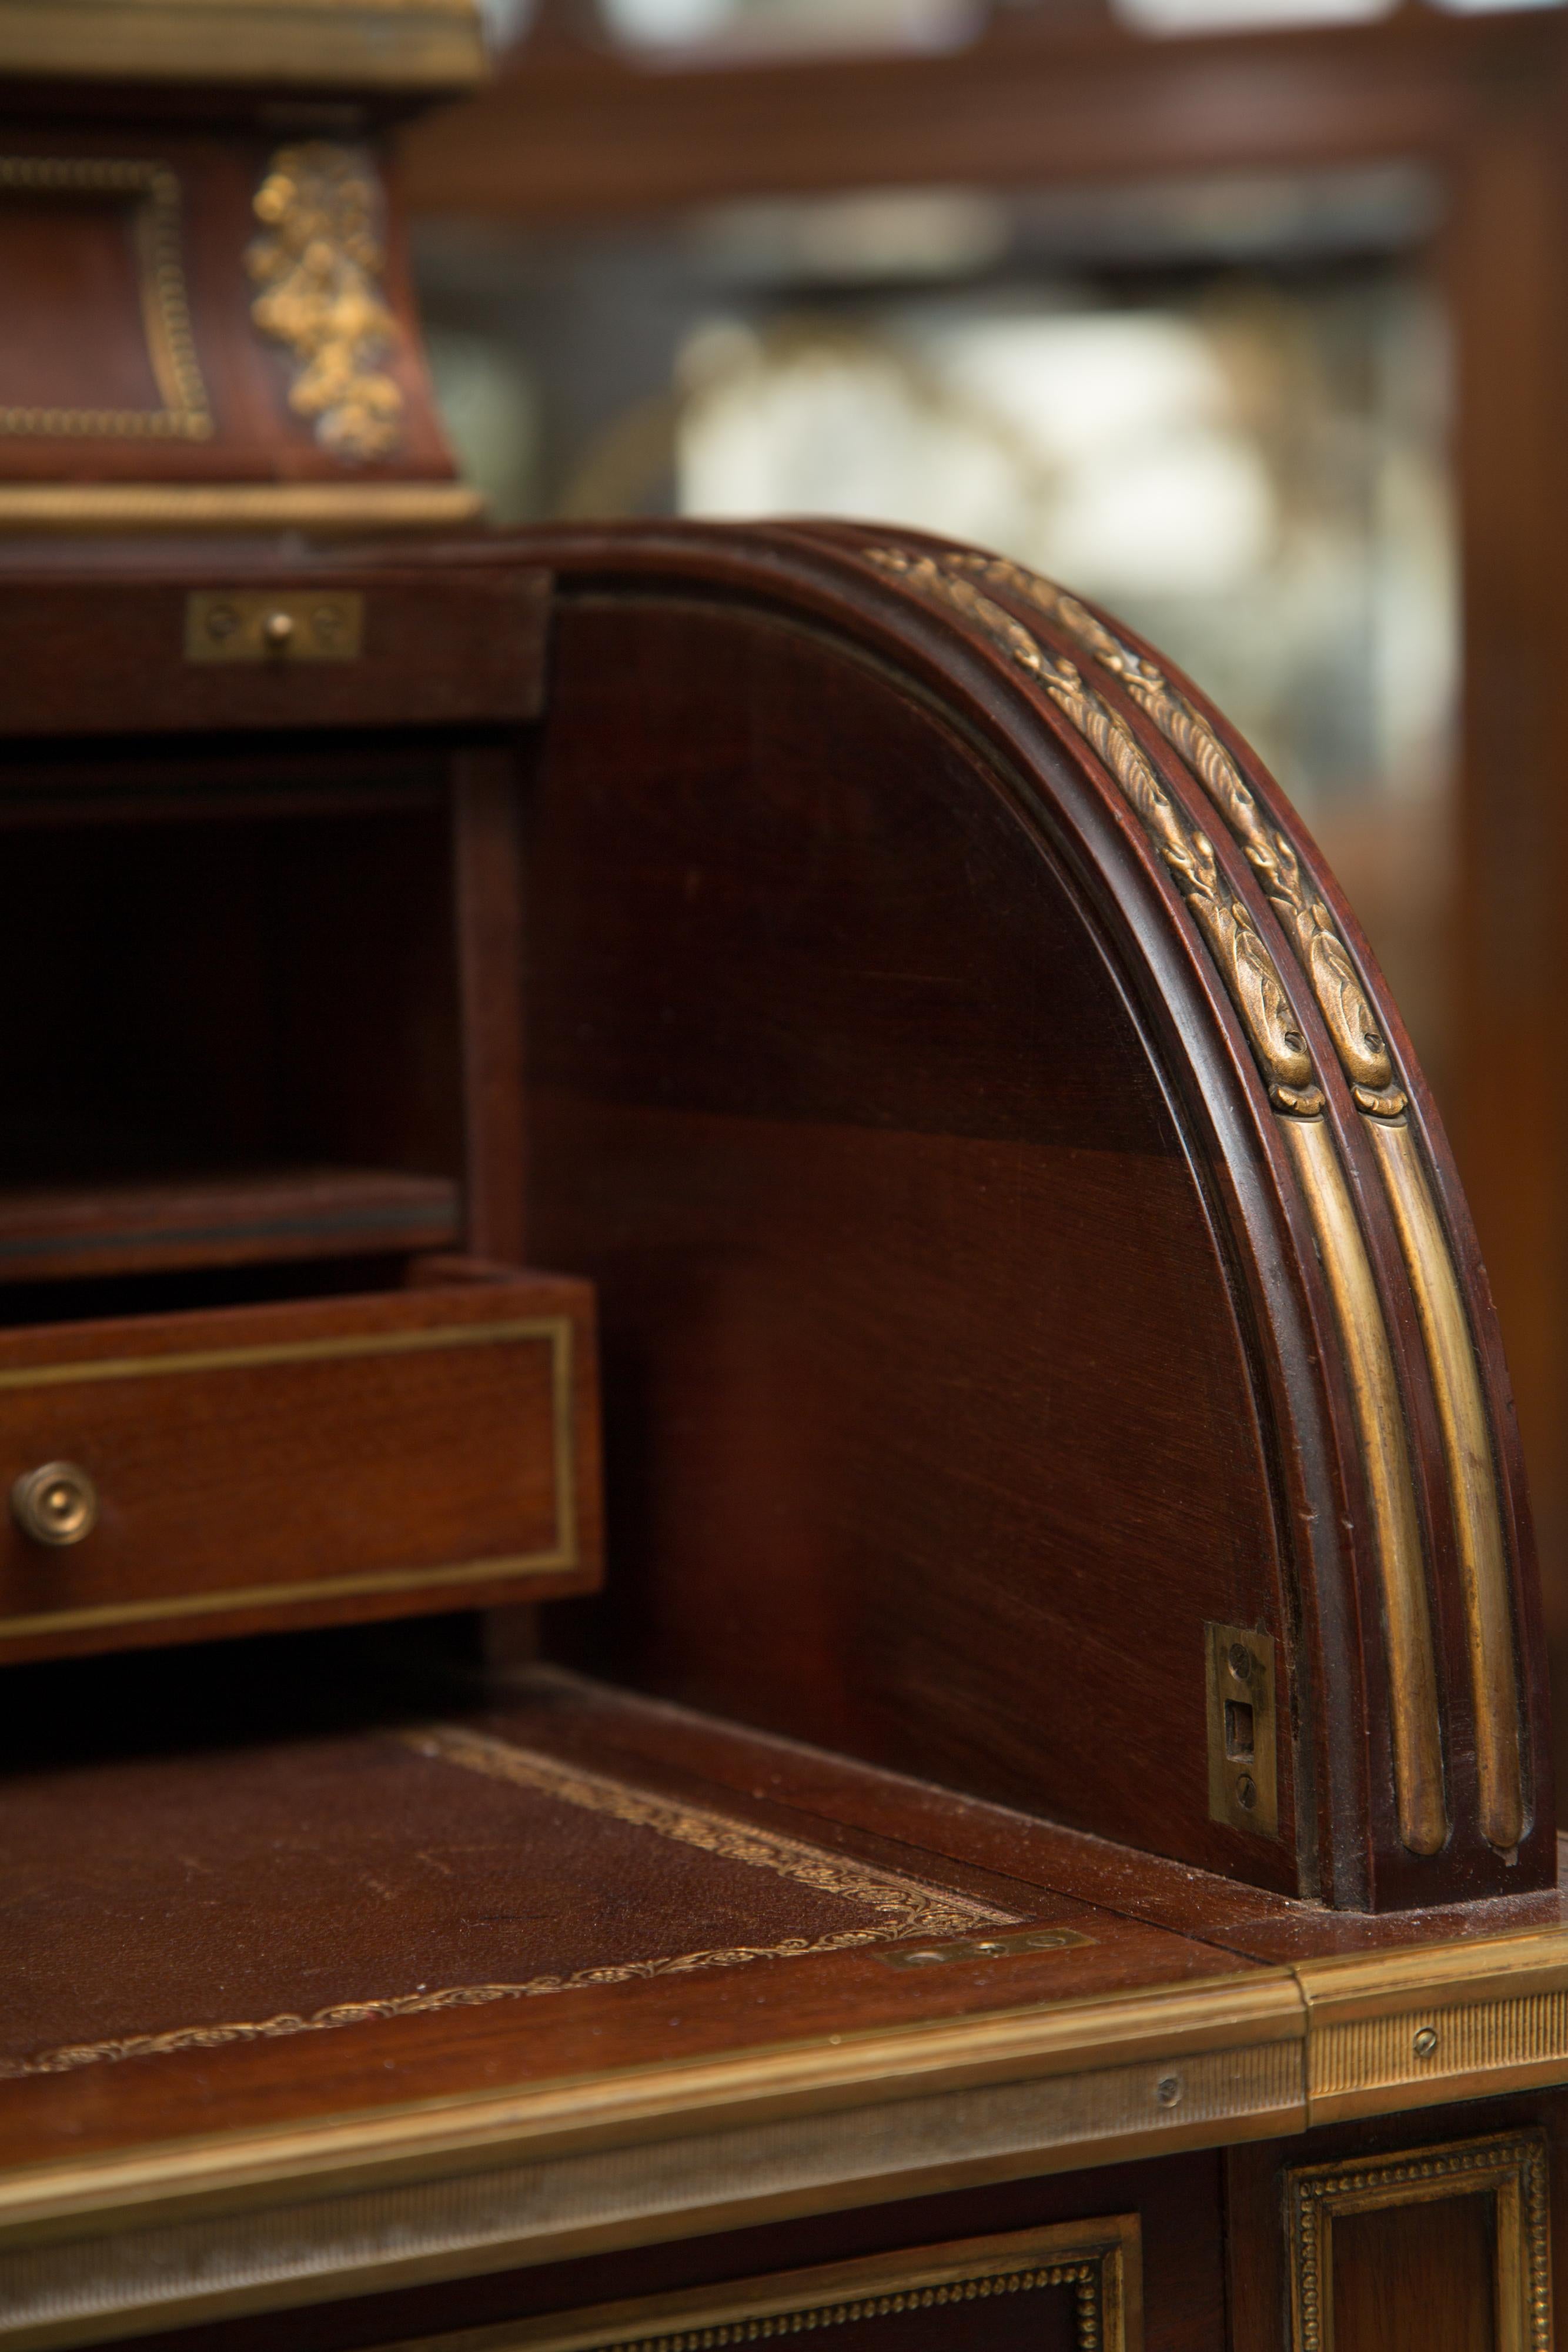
(1412, 1568)
(101, 2249)
(1477, 1534)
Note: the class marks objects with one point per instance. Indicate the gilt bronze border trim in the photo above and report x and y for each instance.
(1511, 2167)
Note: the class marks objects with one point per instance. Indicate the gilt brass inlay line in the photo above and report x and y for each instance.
(561, 1553)
(1472, 1483)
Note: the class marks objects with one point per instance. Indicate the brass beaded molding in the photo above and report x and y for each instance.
(185, 413)
(1083, 2276)
(1098, 2262)
(1510, 2168)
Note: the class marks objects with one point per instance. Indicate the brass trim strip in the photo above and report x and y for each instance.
(245, 506)
(1380, 1421)
(1401, 2029)
(1472, 1482)
(563, 1554)
(1510, 2168)
(1100, 2260)
(1246, 2027)
(1253, 982)
(152, 2271)
(186, 412)
(428, 1337)
(404, 45)
(281, 2216)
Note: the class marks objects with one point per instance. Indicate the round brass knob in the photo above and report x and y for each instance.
(276, 631)
(55, 1504)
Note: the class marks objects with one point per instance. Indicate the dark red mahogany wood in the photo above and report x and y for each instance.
(967, 1347)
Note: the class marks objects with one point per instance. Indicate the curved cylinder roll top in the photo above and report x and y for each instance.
(1045, 1346)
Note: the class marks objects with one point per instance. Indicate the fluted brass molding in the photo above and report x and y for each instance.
(153, 190)
(1507, 2169)
(1244, 964)
(1259, 994)
(318, 265)
(1098, 2263)
(1414, 1719)
(1358, 1042)
(1472, 1483)
(360, 45)
(1399, 2029)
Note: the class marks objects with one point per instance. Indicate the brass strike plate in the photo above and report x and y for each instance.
(1000, 1947)
(1242, 1792)
(246, 625)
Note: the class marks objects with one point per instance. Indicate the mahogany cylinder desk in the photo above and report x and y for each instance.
(744, 1198)
(763, 1570)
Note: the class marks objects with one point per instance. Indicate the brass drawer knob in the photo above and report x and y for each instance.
(55, 1504)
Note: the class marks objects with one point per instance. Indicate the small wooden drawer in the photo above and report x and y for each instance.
(262, 1466)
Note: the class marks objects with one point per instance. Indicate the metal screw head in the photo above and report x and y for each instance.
(1167, 2090)
(1425, 2042)
(1240, 1660)
(1246, 1790)
(222, 621)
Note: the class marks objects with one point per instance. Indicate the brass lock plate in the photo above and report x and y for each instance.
(1242, 1790)
(297, 624)
(1003, 1945)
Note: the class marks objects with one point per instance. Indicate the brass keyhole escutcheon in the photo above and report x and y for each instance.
(55, 1504)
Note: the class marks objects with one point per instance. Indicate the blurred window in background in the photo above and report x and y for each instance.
(1220, 408)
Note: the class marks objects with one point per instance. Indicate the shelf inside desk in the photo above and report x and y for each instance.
(245, 1218)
